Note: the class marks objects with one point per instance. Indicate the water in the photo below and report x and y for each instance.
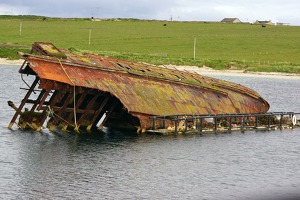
(119, 165)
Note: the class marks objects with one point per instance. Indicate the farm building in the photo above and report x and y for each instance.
(282, 24)
(269, 22)
(231, 20)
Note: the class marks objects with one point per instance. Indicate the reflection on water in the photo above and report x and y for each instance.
(121, 165)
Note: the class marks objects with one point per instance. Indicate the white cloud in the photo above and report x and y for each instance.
(202, 10)
(13, 10)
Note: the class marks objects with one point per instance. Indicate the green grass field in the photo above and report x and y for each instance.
(221, 46)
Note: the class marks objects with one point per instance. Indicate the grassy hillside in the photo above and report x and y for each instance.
(221, 46)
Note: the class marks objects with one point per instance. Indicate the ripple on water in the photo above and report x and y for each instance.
(120, 165)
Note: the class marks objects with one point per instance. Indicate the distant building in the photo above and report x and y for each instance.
(264, 22)
(231, 20)
(282, 24)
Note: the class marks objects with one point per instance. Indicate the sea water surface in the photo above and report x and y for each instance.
(122, 165)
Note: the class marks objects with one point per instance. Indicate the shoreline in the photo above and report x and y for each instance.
(206, 71)
(5, 62)
(242, 73)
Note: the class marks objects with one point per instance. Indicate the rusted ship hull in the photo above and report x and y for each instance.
(77, 90)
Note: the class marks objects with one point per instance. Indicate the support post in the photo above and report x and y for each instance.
(97, 113)
(194, 123)
(201, 121)
(44, 113)
(88, 108)
(215, 121)
(269, 123)
(230, 124)
(114, 104)
(280, 122)
(243, 124)
(66, 103)
(81, 99)
(256, 121)
(293, 124)
(53, 100)
(154, 123)
(164, 122)
(23, 102)
(43, 99)
(176, 125)
(37, 101)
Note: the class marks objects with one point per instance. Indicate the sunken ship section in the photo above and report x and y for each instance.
(83, 92)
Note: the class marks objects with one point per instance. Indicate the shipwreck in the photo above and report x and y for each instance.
(85, 92)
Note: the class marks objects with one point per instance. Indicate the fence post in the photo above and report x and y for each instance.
(185, 124)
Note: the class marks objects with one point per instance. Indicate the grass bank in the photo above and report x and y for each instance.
(218, 45)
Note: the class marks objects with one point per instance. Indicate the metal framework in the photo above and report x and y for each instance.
(84, 92)
(174, 124)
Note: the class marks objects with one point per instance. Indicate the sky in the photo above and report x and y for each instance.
(286, 11)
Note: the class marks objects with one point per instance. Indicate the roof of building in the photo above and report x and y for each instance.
(264, 22)
(230, 20)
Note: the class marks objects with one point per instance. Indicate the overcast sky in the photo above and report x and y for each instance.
(287, 11)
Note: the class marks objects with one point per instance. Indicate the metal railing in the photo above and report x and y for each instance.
(185, 123)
